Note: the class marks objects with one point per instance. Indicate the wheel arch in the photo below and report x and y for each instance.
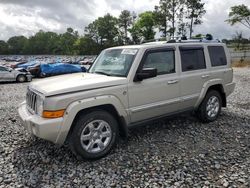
(108, 108)
(212, 85)
(107, 103)
(20, 74)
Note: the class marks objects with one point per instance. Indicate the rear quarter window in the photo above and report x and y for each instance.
(217, 55)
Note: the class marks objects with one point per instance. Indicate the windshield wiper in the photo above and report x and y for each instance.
(100, 72)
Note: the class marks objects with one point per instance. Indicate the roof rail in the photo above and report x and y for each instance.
(194, 41)
(205, 39)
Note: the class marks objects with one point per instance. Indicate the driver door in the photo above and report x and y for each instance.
(6, 75)
(156, 96)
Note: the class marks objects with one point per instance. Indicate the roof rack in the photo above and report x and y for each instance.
(194, 41)
(183, 41)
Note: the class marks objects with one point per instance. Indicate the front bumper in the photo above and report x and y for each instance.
(47, 129)
(29, 77)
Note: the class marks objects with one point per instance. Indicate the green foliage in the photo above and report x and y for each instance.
(4, 49)
(161, 15)
(16, 44)
(67, 41)
(104, 30)
(124, 22)
(144, 27)
(135, 34)
(172, 9)
(239, 14)
(195, 11)
(86, 45)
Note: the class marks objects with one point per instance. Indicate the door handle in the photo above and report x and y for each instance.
(205, 76)
(173, 81)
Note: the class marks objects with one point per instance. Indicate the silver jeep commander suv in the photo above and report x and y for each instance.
(126, 86)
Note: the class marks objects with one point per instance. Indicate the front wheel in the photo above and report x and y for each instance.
(94, 135)
(210, 107)
(21, 78)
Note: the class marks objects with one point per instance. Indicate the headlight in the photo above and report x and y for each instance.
(39, 105)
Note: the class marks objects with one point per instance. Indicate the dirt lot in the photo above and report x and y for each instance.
(176, 152)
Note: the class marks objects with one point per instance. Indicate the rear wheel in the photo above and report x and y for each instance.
(21, 78)
(94, 135)
(210, 107)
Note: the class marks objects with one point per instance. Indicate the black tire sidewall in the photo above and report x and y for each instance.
(204, 116)
(81, 123)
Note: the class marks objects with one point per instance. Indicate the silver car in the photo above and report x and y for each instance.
(10, 75)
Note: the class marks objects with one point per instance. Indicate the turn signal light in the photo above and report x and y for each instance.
(53, 114)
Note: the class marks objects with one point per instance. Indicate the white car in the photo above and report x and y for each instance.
(11, 75)
(127, 86)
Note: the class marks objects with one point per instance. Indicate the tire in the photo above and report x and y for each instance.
(210, 113)
(94, 135)
(21, 78)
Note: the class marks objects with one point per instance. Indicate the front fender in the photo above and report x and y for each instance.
(75, 107)
(205, 89)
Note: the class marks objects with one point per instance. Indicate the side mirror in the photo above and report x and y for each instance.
(145, 74)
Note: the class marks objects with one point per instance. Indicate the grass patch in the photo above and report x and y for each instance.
(245, 63)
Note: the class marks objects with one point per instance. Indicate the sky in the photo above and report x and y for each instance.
(26, 17)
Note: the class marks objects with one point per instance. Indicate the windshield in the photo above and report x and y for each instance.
(114, 62)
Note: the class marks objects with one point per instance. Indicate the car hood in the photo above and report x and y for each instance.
(74, 83)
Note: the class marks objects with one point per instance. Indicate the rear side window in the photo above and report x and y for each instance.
(217, 56)
(192, 59)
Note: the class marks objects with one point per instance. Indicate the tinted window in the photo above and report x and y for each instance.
(217, 55)
(163, 61)
(192, 59)
(3, 69)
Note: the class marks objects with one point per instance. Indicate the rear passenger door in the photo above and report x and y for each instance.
(194, 74)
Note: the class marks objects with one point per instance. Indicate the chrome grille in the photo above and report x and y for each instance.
(31, 98)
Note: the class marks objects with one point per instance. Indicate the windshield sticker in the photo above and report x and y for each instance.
(129, 51)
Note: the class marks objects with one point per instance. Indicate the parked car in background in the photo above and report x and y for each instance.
(35, 70)
(9, 75)
(55, 69)
(88, 61)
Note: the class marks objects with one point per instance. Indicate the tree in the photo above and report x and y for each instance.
(17, 44)
(67, 41)
(107, 29)
(182, 24)
(92, 31)
(239, 14)
(172, 9)
(135, 34)
(144, 26)
(195, 11)
(104, 30)
(3, 48)
(86, 46)
(124, 22)
(44, 43)
(161, 17)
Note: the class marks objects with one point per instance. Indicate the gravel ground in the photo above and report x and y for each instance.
(176, 152)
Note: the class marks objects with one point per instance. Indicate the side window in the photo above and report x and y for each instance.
(3, 69)
(163, 61)
(217, 56)
(192, 59)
